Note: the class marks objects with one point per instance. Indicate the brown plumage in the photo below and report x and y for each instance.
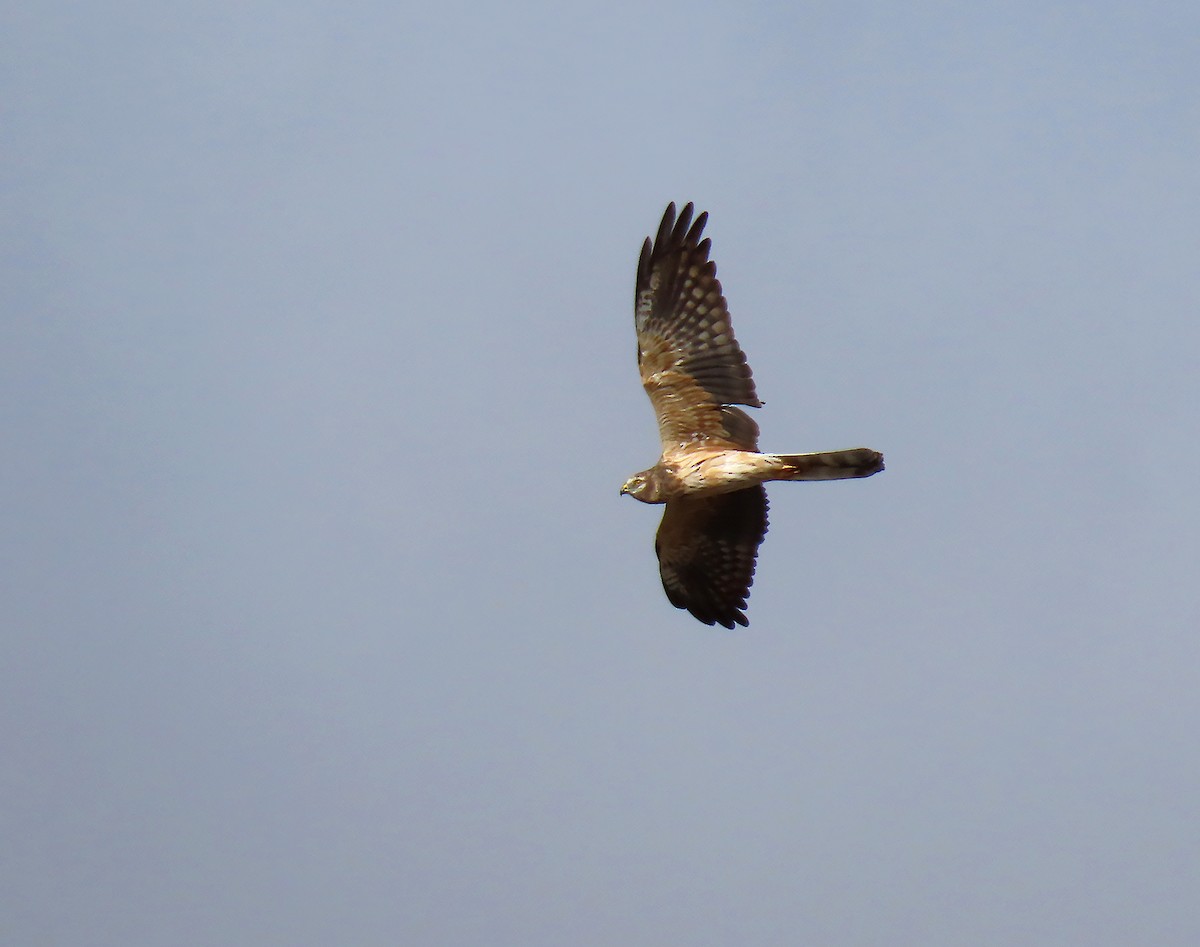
(711, 472)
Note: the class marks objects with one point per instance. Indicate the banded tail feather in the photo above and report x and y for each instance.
(830, 465)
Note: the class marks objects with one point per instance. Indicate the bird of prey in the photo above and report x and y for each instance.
(711, 473)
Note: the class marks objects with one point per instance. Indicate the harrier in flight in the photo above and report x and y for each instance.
(711, 473)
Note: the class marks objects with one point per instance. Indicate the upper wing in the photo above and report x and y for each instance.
(689, 359)
(706, 550)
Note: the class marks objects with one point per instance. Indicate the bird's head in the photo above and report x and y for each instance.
(641, 487)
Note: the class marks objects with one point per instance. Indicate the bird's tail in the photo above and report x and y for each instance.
(829, 465)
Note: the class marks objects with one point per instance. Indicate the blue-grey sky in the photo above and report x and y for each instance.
(323, 621)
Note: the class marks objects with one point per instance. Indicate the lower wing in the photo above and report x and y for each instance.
(706, 551)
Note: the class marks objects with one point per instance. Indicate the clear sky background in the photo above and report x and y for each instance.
(323, 621)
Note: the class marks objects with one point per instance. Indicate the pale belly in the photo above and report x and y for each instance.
(723, 471)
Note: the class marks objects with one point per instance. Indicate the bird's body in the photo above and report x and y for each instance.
(710, 473)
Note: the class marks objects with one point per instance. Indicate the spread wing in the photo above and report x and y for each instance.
(690, 361)
(706, 550)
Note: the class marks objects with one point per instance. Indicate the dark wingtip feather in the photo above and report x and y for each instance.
(677, 231)
(730, 621)
(644, 264)
(680, 230)
(665, 227)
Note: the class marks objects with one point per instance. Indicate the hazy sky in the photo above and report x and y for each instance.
(323, 621)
